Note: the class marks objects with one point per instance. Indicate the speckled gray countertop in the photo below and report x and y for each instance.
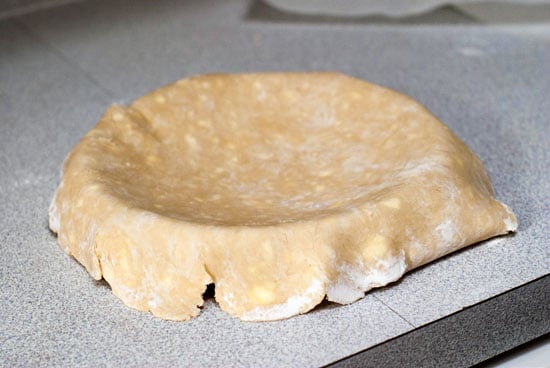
(61, 68)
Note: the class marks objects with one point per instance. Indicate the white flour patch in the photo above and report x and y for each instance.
(353, 281)
(53, 213)
(511, 224)
(446, 231)
(345, 289)
(293, 306)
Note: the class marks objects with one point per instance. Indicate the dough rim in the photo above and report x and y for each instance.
(90, 255)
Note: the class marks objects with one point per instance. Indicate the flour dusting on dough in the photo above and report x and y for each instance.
(54, 220)
(354, 280)
(511, 224)
(446, 230)
(511, 221)
(294, 305)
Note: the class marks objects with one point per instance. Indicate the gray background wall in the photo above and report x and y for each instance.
(9, 8)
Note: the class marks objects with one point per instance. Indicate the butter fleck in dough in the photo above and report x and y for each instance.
(280, 188)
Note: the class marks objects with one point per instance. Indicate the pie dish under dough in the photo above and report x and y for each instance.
(280, 188)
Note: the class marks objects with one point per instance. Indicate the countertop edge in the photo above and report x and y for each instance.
(468, 337)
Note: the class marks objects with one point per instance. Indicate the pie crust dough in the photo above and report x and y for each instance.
(280, 188)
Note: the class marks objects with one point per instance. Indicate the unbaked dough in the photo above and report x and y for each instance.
(280, 188)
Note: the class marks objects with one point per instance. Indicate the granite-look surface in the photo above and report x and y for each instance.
(59, 70)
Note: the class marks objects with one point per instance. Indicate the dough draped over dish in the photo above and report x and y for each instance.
(280, 188)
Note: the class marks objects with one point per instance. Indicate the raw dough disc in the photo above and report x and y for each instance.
(281, 188)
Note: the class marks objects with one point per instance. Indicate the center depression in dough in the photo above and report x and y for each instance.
(279, 187)
(263, 151)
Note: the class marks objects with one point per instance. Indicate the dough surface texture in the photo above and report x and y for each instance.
(280, 188)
